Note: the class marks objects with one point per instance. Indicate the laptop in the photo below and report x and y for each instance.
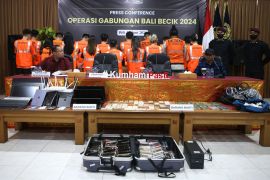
(20, 96)
(89, 95)
(41, 82)
(51, 99)
(65, 99)
(38, 98)
(23, 91)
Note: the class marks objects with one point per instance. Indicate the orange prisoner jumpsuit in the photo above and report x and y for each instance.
(119, 56)
(58, 42)
(134, 66)
(194, 52)
(78, 51)
(88, 60)
(144, 43)
(37, 57)
(153, 49)
(24, 53)
(103, 48)
(175, 49)
(124, 46)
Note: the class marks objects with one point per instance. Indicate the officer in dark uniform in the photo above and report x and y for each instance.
(223, 48)
(253, 52)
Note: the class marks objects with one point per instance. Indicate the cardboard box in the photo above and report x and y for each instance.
(187, 75)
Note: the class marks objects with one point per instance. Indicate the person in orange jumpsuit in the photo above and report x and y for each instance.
(154, 48)
(24, 53)
(135, 57)
(78, 50)
(58, 40)
(194, 52)
(103, 47)
(175, 49)
(118, 53)
(146, 40)
(125, 45)
(89, 53)
(36, 46)
(46, 49)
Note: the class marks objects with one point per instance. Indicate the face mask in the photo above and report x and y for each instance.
(220, 36)
(253, 36)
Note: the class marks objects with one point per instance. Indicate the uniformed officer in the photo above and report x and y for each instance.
(223, 48)
(254, 51)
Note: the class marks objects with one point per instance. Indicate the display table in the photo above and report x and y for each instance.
(173, 89)
(227, 118)
(43, 116)
(134, 117)
(122, 118)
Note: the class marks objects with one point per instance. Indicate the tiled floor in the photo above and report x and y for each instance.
(51, 155)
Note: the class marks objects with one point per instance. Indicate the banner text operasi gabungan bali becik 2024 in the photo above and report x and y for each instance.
(116, 17)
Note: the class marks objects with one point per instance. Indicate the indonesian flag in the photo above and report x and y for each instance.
(208, 33)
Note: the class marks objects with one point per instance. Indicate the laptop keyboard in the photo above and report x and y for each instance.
(6, 103)
(17, 98)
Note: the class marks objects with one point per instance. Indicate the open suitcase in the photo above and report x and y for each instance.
(118, 153)
(109, 153)
(157, 153)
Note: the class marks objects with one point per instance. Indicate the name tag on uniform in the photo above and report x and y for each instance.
(182, 107)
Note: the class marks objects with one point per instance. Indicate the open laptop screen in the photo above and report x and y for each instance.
(23, 91)
(29, 82)
(90, 92)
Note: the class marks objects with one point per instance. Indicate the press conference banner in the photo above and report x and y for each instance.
(116, 17)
